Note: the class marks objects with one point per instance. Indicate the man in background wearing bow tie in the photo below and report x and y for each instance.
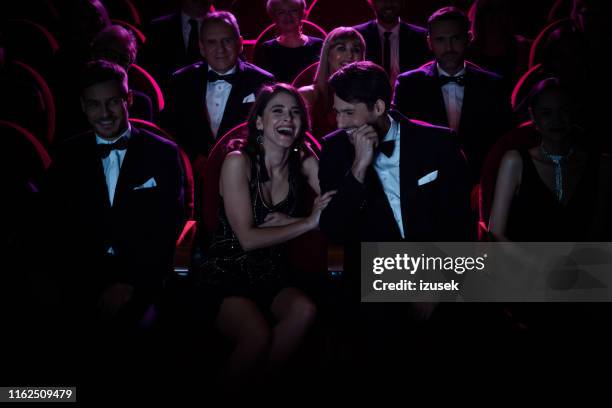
(209, 98)
(455, 93)
(115, 208)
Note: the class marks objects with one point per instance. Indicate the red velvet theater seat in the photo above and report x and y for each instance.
(306, 77)
(142, 81)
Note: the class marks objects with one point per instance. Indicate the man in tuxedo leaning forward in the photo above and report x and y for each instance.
(115, 201)
(396, 180)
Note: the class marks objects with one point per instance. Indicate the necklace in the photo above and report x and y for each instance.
(559, 162)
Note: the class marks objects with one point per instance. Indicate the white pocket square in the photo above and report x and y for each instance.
(150, 183)
(428, 178)
(249, 99)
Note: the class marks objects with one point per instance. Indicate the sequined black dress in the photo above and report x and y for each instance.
(228, 270)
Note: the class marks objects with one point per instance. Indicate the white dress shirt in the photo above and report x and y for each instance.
(112, 163)
(112, 166)
(388, 170)
(453, 98)
(394, 40)
(217, 94)
(187, 27)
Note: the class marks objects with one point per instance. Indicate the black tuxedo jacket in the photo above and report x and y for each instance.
(141, 226)
(186, 115)
(164, 51)
(436, 211)
(486, 112)
(414, 51)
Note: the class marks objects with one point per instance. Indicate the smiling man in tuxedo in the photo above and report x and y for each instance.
(396, 179)
(209, 98)
(115, 196)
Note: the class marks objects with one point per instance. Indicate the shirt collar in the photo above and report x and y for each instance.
(442, 72)
(393, 133)
(394, 30)
(231, 71)
(127, 133)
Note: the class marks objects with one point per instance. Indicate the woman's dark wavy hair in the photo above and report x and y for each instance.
(250, 146)
(543, 86)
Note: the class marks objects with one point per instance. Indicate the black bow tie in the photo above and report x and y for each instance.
(213, 77)
(387, 147)
(459, 80)
(105, 149)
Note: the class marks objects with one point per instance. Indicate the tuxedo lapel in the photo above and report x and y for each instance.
(470, 94)
(177, 39)
(409, 171)
(93, 178)
(377, 201)
(406, 43)
(131, 166)
(201, 91)
(438, 108)
(373, 44)
(91, 191)
(380, 202)
(234, 101)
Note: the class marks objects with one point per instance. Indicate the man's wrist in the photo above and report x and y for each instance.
(359, 172)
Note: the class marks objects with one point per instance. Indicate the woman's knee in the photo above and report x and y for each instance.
(303, 309)
(241, 320)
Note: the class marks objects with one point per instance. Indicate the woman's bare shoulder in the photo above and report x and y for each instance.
(236, 163)
(512, 160)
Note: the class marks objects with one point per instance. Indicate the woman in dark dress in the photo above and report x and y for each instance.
(260, 188)
(554, 191)
(292, 51)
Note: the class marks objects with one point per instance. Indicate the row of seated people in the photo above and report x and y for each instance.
(260, 186)
(119, 45)
(35, 44)
(252, 16)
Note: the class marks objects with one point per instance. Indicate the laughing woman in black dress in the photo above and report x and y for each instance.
(260, 188)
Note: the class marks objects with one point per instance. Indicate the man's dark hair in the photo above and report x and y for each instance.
(98, 71)
(362, 82)
(224, 17)
(449, 14)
